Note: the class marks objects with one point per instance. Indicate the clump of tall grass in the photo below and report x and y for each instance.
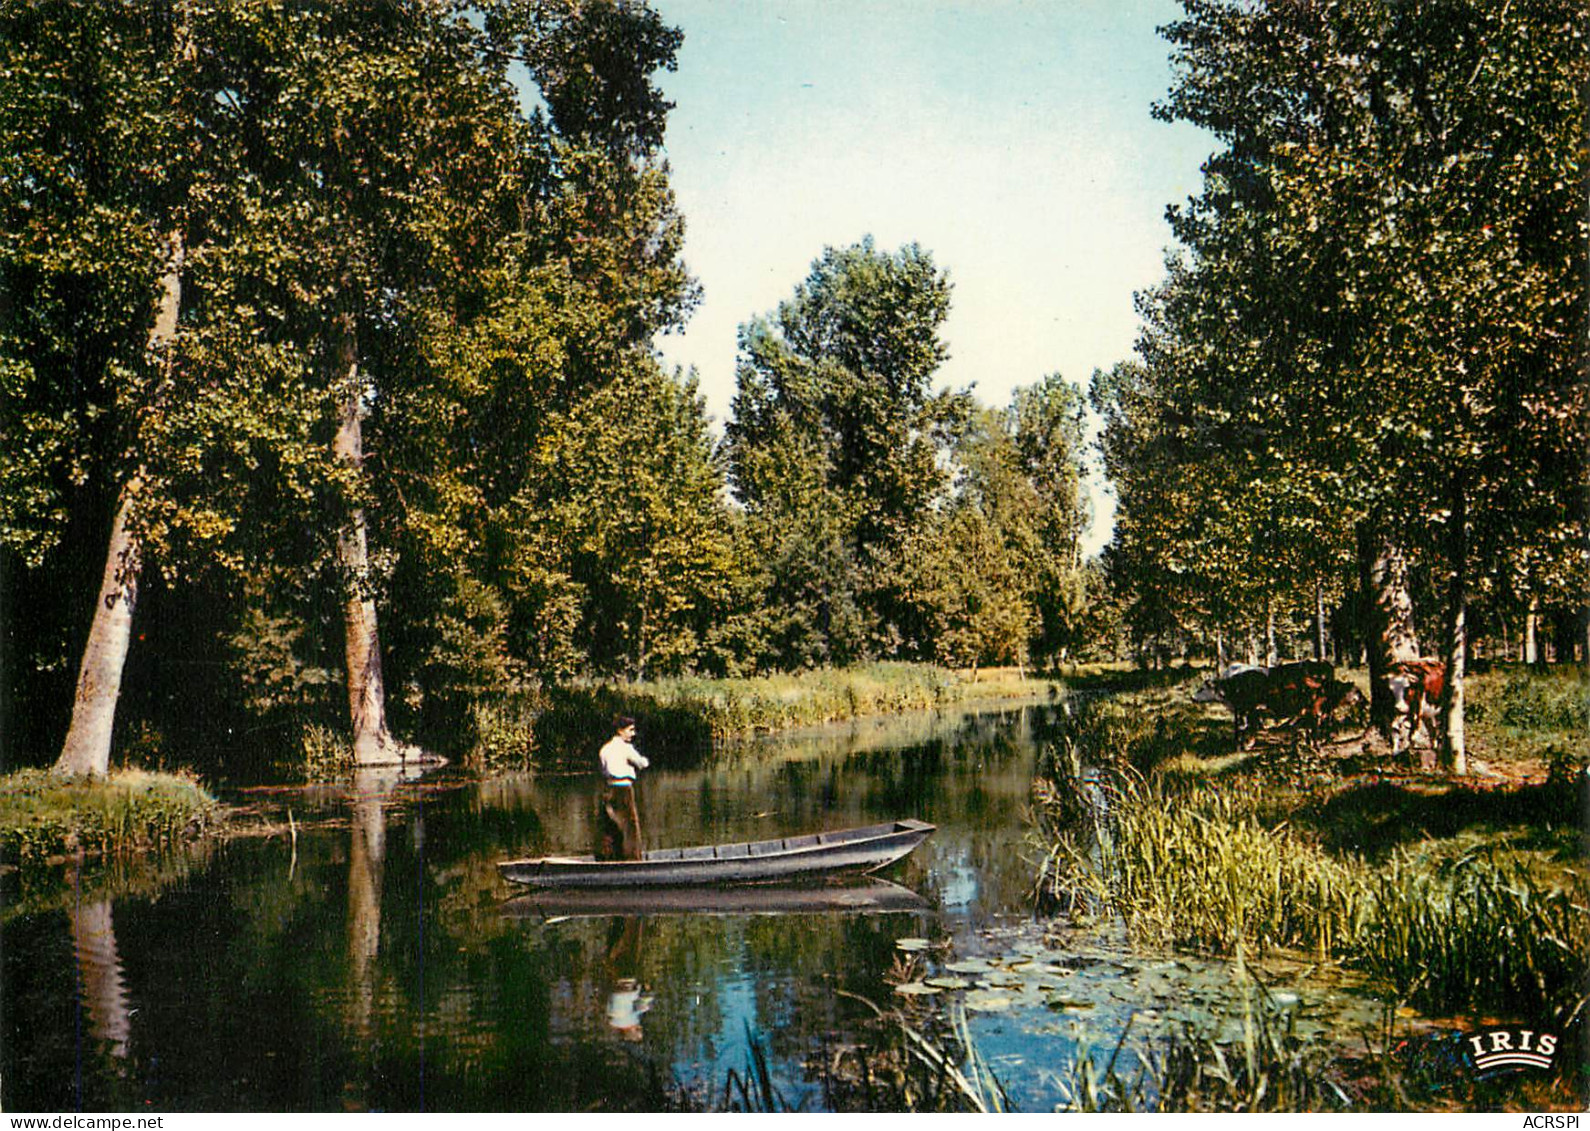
(504, 734)
(1478, 931)
(1200, 870)
(325, 754)
(44, 814)
(925, 1063)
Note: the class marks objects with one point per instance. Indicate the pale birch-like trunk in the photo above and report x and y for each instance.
(373, 744)
(1389, 635)
(1532, 632)
(1319, 619)
(87, 746)
(1453, 742)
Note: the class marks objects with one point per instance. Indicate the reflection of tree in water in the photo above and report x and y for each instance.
(366, 868)
(102, 984)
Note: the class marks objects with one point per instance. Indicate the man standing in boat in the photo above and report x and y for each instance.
(618, 818)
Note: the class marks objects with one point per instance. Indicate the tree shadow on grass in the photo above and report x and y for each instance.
(1373, 818)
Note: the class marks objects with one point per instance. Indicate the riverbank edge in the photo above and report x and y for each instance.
(1421, 913)
(46, 817)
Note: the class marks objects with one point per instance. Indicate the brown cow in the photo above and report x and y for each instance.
(1302, 692)
(1416, 690)
(1310, 699)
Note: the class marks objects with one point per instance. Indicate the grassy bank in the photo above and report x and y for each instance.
(729, 707)
(1456, 894)
(687, 714)
(43, 815)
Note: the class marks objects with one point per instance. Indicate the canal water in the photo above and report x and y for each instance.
(366, 955)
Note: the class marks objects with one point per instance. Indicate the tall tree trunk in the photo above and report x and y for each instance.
(373, 744)
(1270, 654)
(87, 746)
(1389, 635)
(1454, 747)
(1319, 619)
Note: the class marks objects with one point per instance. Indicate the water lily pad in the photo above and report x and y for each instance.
(1027, 999)
(1067, 1003)
(947, 982)
(1004, 979)
(969, 966)
(985, 1001)
(916, 989)
(912, 944)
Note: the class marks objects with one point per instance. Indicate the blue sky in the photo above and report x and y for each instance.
(1011, 138)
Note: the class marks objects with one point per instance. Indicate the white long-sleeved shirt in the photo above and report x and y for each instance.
(620, 760)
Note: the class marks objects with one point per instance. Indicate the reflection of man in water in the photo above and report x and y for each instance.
(624, 1008)
(618, 820)
(626, 1000)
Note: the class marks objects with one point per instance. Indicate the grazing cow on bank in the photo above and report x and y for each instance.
(1311, 697)
(1301, 693)
(1243, 689)
(1416, 690)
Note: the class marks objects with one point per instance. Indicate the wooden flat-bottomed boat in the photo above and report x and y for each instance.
(864, 849)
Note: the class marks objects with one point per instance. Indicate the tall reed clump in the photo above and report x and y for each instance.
(728, 707)
(44, 815)
(1478, 932)
(778, 702)
(923, 1063)
(1199, 870)
(1195, 870)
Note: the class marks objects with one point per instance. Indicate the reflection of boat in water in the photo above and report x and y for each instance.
(860, 894)
(862, 849)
